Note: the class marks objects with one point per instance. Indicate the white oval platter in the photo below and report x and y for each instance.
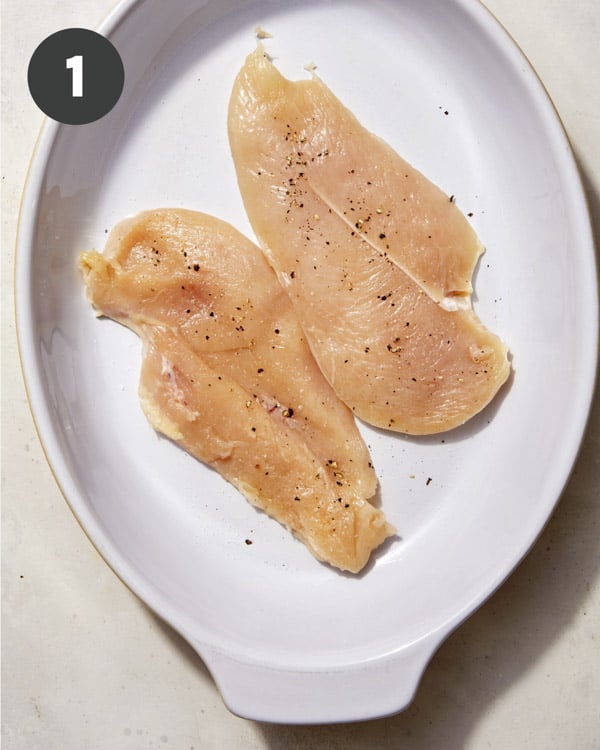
(286, 638)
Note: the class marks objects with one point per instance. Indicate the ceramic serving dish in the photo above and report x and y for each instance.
(286, 638)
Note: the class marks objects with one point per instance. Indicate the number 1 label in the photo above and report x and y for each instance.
(57, 70)
(76, 65)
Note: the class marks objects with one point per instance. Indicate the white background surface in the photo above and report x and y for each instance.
(86, 665)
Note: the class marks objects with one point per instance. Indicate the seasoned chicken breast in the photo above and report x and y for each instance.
(228, 375)
(376, 259)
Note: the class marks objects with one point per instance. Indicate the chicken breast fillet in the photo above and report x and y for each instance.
(228, 375)
(376, 259)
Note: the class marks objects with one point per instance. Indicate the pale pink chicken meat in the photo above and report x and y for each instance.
(376, 259)
(228, 375)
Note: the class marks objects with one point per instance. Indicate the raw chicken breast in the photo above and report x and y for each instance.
(228, 375)
(376, 259)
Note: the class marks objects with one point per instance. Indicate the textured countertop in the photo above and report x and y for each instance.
(85, 665)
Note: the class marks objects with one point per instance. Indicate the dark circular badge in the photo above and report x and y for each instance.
(75, 76)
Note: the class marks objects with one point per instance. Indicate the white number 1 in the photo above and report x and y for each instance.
(76, 65)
